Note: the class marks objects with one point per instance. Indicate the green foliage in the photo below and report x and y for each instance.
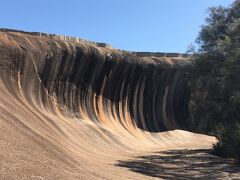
(215, 79)
(229, 143)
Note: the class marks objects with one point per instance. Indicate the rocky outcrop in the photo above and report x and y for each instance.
(90, 80)
(74, 109)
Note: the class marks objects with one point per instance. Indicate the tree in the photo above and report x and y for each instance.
(215, 79)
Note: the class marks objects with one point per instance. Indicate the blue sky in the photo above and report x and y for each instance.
(139, 25)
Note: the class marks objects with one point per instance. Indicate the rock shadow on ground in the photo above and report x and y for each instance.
(183, 164)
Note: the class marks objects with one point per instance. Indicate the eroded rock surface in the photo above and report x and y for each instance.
(72, 109)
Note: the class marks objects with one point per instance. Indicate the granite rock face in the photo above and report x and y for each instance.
(75, 109)
(92, 81)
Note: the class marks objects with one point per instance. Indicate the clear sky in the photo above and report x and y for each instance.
(140, 25)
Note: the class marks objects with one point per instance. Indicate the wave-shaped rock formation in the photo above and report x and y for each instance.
(71, 108)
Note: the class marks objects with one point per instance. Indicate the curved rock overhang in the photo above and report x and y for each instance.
(95, 81)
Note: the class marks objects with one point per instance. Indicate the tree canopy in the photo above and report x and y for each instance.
(215, 79)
